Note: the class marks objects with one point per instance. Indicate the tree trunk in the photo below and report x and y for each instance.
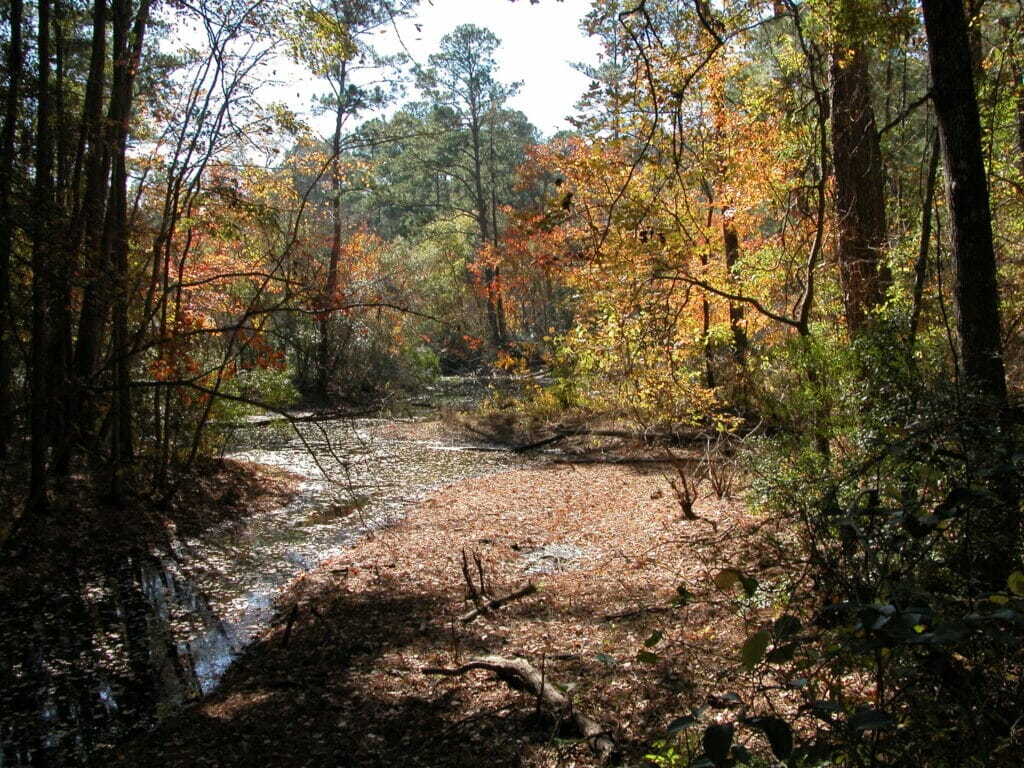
(327, 341)
(63, 261)
(501, 318)
(42, 198)
(128, 34)
(731, 242)
(705, 316)
(921, 265)
(86, 238)
(859, 185)
(7, 216)
(495, 321)
(522, 675)
(993, 540)
(975, 290)
(1018, 82)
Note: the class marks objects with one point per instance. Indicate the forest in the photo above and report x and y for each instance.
(775, 264)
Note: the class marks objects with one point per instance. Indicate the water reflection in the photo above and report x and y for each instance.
(90, 654)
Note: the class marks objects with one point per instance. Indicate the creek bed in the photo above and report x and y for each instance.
(108, 650)
(357, 476)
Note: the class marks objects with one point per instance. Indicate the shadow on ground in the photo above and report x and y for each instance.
(91, 603)
(316, 699)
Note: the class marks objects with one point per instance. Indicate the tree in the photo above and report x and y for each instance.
(997, 543)
(193, 188)
(129, 27)
(94, 227)
(80, 226)
(42, 199)
(608, 104)
(331, 41)
(861, 231)
(717, 158)
(460, 84)
(975, 288)
(8, 154)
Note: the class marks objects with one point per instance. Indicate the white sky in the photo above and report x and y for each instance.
(538, 44)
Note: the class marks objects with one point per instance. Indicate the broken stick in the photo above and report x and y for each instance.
(523, 676)
(495, 603)
(476, 594)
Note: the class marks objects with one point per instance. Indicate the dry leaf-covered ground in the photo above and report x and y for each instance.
(338, 680)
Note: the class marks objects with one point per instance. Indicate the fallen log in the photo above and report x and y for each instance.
(539, 443)
(566, 433)
(523, 676)
(495, 603)
(584, 459)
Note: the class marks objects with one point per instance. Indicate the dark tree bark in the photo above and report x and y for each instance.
(992, 543)
(7, 217)
(1018, 81)
(92, 170)
(859, 185)
(495, 321)
(705, 327)
(731, 242)
(521, 675)
(495, 288)
(128, 32)
(328, 299)
(975, 290)
(921, 265)
(41, 251)
(61, 266)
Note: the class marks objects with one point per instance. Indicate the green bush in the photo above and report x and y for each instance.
(911, 614)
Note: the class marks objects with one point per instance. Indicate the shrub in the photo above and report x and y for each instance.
(912, 613)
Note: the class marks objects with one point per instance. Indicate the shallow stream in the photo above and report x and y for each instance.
(109, 650)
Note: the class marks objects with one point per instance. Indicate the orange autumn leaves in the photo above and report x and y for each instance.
(638, 242)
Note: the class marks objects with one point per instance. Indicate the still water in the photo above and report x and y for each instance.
(101, 652)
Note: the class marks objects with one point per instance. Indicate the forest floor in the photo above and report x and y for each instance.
(632, 619)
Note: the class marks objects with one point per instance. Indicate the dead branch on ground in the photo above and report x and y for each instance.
(475, 592)
(480, 595)
(523, 676)
(496, 603)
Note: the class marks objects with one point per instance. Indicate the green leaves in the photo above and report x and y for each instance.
(725, 579)
(683, 596)
(778, 732)
(729, 577)
(870, 720)
(785, 627)
(654, 639)
(754, 648)
(680, 724)
(646, 656)
(320, 39)
(716, 741)
(719, 738)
